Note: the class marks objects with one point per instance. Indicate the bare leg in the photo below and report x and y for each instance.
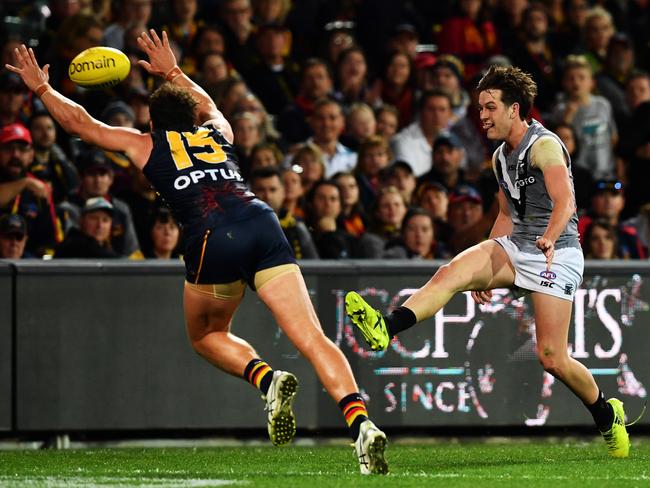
(289, 301)
(208, 324)
(481, 267)
(552, 317)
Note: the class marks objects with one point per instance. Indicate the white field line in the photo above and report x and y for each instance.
(110, 482)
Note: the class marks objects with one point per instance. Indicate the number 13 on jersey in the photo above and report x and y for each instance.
(179, 142)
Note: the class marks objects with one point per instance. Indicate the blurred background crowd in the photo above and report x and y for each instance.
(355, 120)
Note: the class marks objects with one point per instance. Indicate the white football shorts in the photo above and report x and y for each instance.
(562, 280)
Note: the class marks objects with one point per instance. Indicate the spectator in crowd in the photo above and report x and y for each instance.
(352, 78)
(144, 202)
(23, 194)
(294, 192)
(448, 73)
(569, 36)
(311, 162)
(583, 181)
(97, 175)
(247, 134)
(208, 40)
(13, 93)
(316, 83)
(50, 163)
(617, 68)
(466, 219)
(13, 237)
(405, 39)
(635, 141)
(387, 121)
(469, 129)
(183, 26)
(423, 68)
(600, 241)
(138, 100)
(389, 211)
(400, 175)
(468, 36)
(212, 72)
(268, 11)
(396, 87)
(265, 154)
(338, 38)
(164, 235)
(323, 213)
(267, 185)
(418, 238)
(509, 22)
(434, 198)
(448, 155)
(536, 55)
(414, 143)
(119, 114)
(607, 203)
(250, 103)
(128, 12)
(92, 238)
(274, 77)
(598, 30)
(360, 125)
(238, 31)
(233, 91)
(374, 156)
(591, 116)
(327, 124)
(353, 217)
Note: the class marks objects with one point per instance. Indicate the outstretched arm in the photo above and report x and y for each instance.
(74, 118)
(162, 62)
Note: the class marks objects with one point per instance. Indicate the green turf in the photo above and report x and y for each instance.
(449, 464)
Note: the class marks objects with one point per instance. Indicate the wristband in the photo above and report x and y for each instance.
(173, 73)
(41, 89)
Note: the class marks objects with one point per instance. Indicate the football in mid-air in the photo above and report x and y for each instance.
(99, 67)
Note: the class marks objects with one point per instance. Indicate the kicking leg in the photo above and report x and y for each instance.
(552, 317)
(481, 267)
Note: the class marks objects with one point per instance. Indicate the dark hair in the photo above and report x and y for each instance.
(516, 87)
(603, 224)
(172, 108)
(266, 172)
(576, 142)
(311, 62)
(414, 212)
(436, 92)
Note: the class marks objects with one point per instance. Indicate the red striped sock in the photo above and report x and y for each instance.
(259, 374)
(354, 411)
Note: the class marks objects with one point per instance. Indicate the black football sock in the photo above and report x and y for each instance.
(259, 374)
(400, 319)
(354, 411)
(602, 412)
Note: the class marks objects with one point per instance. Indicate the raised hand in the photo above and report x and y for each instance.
(161, 57)
(33, 76)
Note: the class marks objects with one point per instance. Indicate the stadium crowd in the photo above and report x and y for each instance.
(355, 120)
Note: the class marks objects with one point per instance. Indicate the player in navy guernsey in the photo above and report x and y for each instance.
(533, 248)
(233, 240)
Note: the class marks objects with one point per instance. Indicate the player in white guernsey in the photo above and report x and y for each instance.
(533, 247)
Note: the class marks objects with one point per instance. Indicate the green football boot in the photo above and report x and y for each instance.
(371, 322)
(616, 438)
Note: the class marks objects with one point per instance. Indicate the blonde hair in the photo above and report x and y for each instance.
(577, 61)
(599, 12)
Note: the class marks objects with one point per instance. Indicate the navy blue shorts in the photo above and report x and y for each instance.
(238, 250)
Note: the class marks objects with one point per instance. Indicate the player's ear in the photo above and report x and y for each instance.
(514, 110)
(151, 126)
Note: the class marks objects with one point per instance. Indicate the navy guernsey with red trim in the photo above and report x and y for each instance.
(197, 174)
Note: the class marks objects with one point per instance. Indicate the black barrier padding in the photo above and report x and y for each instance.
(6, 335)
(102, 346)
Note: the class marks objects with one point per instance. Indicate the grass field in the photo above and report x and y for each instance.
(448, 464)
